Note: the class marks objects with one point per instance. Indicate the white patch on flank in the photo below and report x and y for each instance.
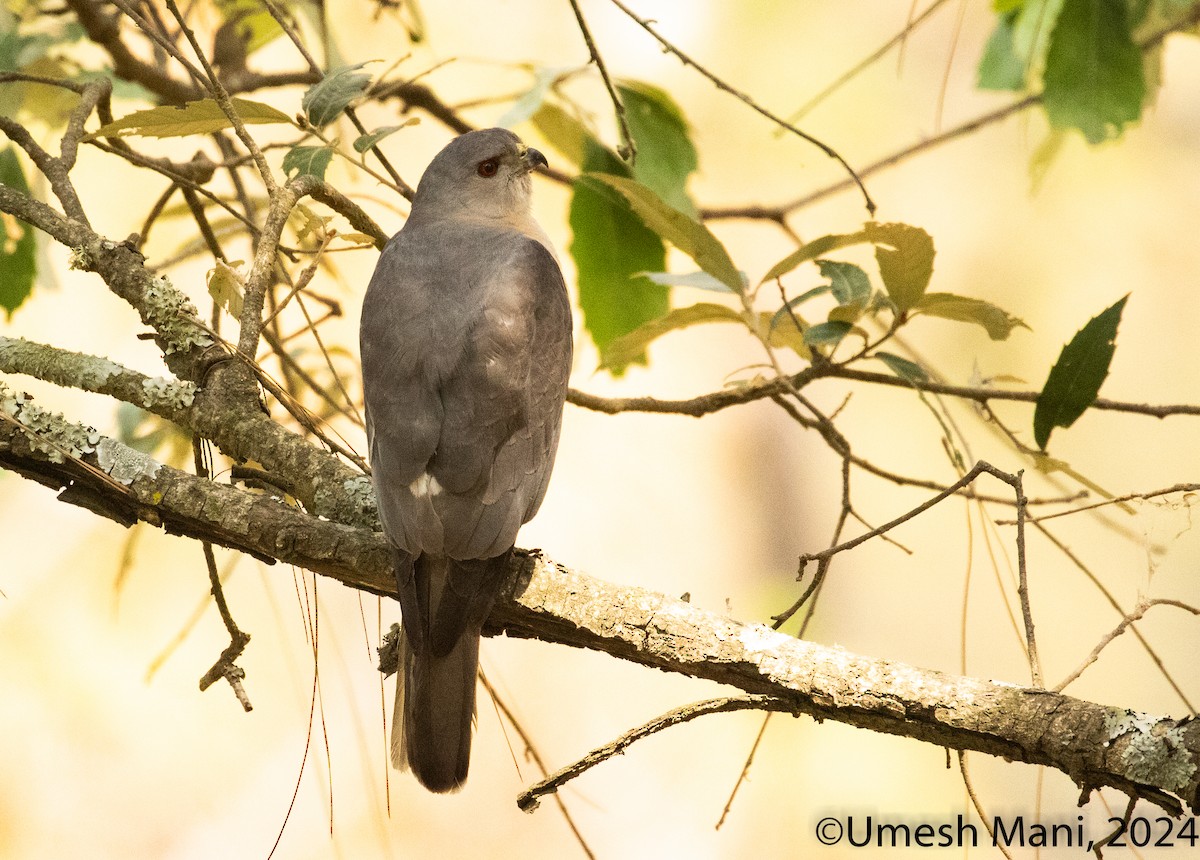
(424, 486)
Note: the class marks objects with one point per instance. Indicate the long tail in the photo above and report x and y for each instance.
(435, 705)
(435, 692)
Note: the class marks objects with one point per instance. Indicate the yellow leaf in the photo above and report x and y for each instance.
(199, 117)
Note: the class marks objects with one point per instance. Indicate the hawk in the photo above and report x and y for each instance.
(466, 349)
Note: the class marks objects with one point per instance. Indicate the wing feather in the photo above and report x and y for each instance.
(465, 379)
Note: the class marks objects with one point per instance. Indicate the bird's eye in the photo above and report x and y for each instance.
(487, 169)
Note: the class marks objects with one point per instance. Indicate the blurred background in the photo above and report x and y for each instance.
(110, 750)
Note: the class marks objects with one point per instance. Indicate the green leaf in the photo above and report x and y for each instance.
(902, 367)
(253, 24)
(17, 49)
(689, 236)
(366, 141)
(629, 347)
(1001, 67)
(699, 280)
(199, 117)
(1076, 377)
(324, 101)
(788, 308)
(998, 322)
(610, 246)
(1093, 79)
(905, 257)
(563, 131)
(18, 242)
(827, 333)
(816, 248)
(665, 154)
(849, 283)
(307, 161)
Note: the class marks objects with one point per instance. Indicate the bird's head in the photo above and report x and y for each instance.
(484, 173)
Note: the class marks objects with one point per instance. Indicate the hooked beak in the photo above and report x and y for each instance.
(532, 158)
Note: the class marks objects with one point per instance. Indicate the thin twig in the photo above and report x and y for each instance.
(628, 148)
(225, 667)
(714, 402)
(223, 99)
(978, 469)
(1035, 664)
(262, 271)
(1115, 604)
(1177, 488)
(751, 103)
(1100, 844)
(777, 212)
(528, 799)
(1137, 614)
(532, 752)
(987, 825)
(762, 730)
(865, 63)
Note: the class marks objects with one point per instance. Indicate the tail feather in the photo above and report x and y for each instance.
(439, 660)
(435, 706)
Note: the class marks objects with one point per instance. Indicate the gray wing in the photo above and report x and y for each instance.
(497, 452)
(464, 390)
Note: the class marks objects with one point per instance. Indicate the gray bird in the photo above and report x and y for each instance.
(466, 349)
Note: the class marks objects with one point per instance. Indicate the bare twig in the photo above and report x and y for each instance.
(749, 102)
(1123, 827)
(1137, 614)
(223, 99)
(1115, 604)
(745, 772)
(1116, 500)
(628, 148)
(1035, 664)
(866, 62)
(226, 666)
(714, 402)
(532, 752)
(978, 469)
(262, 271)
(528, 799)
(987, 824)
(777, 212)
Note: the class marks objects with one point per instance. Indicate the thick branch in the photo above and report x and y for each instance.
(185, 504)
(225, 408)
(1152, 757)
(167, 398)
(1095, 745)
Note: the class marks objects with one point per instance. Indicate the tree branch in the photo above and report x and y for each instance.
(528, 799)
(705, 404)
(167, 398)
(1151, 757)
(226, 407)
